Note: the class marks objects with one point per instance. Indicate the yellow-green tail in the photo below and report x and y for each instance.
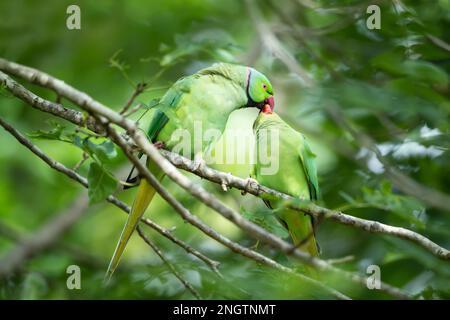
(143, 198)
(300, 228)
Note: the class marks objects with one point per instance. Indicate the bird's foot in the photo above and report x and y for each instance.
(198, 164)
(250, 183)
(133, 147)
(255, 246)
(159, 145)
(225, 181)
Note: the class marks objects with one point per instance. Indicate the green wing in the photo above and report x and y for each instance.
(307, 158)
(171, 100)
(168, 106)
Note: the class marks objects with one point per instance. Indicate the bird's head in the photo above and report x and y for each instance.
(259, 90)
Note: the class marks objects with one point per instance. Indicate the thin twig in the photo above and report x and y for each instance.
(140, 87)
(44, 237)
(172, 269)
(94, 107)
(107, 115)
(187, 216)
(438, 42)
(56, 109)
(274, 46)
(432, 197)
(77, 253)
(83, 181)
(198, 223)
(316, 211)
(341, 260)
(84, 157)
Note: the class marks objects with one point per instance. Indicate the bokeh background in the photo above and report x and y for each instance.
(389, 84)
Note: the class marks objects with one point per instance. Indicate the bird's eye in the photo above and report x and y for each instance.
(264, 86)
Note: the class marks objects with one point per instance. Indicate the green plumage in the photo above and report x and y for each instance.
(203, 101)
(195, 104)
(296, 174)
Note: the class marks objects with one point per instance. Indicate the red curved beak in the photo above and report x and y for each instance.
(271, 102)
(266, 109)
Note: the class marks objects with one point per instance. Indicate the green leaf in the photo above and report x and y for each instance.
(105, 151)
(101, 183)
(215, 43)
(425, 71)
(418, 70)
(407, 208)
(265, 219)
(54, 134)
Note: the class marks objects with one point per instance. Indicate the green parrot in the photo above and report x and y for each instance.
(203, 101)
(294, 174)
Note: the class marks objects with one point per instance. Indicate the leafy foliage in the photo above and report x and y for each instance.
(102, 152)
(390, 84)
(101, 183)
(266, 220)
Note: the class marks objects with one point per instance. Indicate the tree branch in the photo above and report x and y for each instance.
(172, 269)
(186, 215)
(198, 223)
(312, 209)
(83, 181)
(432, 197)
(257, 190)
(107, 115)
(274, 46)
(406, 184)
(76, 117)
(77, 253)
(140, 87)
(44, 237)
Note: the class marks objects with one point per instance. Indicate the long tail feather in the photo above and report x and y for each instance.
(144, 196)
(301, 230)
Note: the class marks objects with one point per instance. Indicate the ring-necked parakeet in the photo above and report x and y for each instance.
(296, 174)
(204, 99)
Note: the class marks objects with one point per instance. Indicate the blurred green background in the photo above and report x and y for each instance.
(390, 84)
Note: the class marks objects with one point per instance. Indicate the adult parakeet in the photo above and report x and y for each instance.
(296, 173)
(203, 101)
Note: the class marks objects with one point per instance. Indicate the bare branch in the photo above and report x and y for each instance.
(83, 181)
(314, 210)
(75, 252)
(187, 216)
(140, 87)
(438, 42)
(274, 46)
(108, 115)
(432, 197)
(172, 269)
(198, 223)
(44, 237)
(56, 109)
